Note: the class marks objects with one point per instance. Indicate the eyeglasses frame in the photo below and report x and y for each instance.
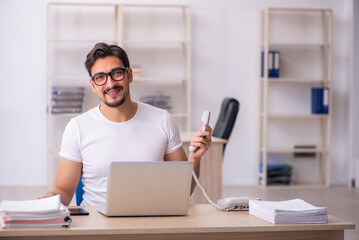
(109, 74)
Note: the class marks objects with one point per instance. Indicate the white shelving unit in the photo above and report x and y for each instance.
(304, 39)
(155, 37)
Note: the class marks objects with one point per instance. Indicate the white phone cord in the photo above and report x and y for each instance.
(203, 190)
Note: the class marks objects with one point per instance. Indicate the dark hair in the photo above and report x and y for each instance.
(102, 50)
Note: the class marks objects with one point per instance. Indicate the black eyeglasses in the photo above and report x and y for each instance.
(117, 74)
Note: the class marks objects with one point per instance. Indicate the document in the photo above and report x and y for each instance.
(288, 212)
(47, 212)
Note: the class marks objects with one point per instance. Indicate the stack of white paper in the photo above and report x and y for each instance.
(291, 211)
(47, 212)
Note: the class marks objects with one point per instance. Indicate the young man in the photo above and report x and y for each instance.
(117, 130)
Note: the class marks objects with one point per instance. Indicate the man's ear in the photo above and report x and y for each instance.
(130, 76)
(92, 85)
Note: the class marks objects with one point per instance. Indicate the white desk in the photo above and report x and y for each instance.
(210, 171)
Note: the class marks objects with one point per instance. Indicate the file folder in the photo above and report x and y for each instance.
(320, 100)
(273, 64)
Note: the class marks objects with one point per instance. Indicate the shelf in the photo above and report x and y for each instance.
(295, 116)
(179, 114)
(296, 186)
(296, 45)
(296, 80)
(70, 4)
(298, 10)
(64, 115)
(81, 40)
(160, 80)
(68, 78)
(157, 43)
(154, 5)
(293, 150)
(70, 115)
(114, 5)
(152, 80)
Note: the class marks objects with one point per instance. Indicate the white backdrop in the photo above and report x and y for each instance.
(224, 64)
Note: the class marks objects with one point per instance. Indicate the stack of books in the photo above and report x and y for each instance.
(294, 211)
(278, 174)
(67, 99)
(158, 100)
(40, 213)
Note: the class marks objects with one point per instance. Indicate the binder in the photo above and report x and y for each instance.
(273, 64)
(320, 100)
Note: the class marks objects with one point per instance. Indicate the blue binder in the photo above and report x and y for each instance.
(320, 100)
(273, 64)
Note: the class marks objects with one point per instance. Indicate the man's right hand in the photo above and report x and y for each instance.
(67, 178)
(49, 194)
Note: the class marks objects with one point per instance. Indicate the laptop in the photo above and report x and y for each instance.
(148, 189)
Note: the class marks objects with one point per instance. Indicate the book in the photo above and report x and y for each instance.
(293, 211)
(39, 213)
(158, 99)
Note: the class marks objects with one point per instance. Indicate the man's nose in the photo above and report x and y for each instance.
(110, 82)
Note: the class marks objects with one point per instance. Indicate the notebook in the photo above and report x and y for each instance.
(148, 188)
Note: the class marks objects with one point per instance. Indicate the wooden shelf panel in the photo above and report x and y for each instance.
(293, 150)
(81, 40)
(298, 186)
(70, 115)
(295, 116)
(179, 114)
(296, 80)
(156, 43)
(161, 80)
(298, 10)
(295, 45)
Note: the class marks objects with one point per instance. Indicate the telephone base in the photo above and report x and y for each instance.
(234, 203)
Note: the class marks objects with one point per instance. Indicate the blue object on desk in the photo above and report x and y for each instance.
(79, 192)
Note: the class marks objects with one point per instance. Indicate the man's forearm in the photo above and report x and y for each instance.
(196, 168)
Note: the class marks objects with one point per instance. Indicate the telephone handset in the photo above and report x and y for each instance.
(205, 120)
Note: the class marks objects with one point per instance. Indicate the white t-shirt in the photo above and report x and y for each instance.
(95, 141)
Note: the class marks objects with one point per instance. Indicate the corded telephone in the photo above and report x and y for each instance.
(225, 204)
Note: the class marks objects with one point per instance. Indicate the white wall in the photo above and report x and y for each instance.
(224, 63)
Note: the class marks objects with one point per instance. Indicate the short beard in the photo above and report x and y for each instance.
(118, 103)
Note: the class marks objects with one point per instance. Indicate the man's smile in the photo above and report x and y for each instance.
(113, 91)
